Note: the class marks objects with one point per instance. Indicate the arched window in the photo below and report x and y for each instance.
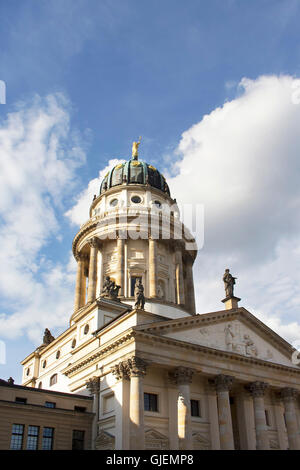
(73, 343)
(40, 385)
(58, 354)
(53, 379)
(86, 329)
(44, 364)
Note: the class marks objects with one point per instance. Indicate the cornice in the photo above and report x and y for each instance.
(134, 334)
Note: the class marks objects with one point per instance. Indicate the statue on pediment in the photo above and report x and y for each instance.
(229, 282)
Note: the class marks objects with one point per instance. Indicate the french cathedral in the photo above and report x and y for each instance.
(159, 374)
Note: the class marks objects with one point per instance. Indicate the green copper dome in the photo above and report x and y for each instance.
(134, 172)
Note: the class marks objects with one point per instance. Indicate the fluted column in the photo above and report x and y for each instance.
(79, 284)
(93, 385)
(120, 264)
(179, 276)
(182, 376)
(122, 401)
(136, 370)
(257, 390)
(92, 270)
(213, 416)
(190, 287)
(289, 396)
(223, 384)
(152, 268)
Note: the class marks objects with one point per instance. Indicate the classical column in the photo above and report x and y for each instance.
(136, 370)
(289, 396)
(93, 385)
(79, 283)
(213, 417)
(190, 287)
(120, 264)
(92, 270)
(122, 400)
(152, 268)
(279, 419)
(179, 276)
(223, 384)
(257, 389)
(182, 376)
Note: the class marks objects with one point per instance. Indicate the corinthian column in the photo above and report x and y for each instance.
(120, 264)
(257, 390)
(93, 385)
(136, 370)
(92, 270)
(223, 384)
(179, 276)
(79, 283)
(289, 396)
(152, 268)
(182, 376)
(122, 400)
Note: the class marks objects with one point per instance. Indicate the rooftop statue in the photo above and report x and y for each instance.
(229, 282)
(110, 289)
(139, 295)
(47, 338)
(135, 148)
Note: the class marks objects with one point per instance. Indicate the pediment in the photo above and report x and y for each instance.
(155, 440)
(104, 441)
(235, 332)
(201, 441)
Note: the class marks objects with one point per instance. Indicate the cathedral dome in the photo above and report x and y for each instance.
(134, 172)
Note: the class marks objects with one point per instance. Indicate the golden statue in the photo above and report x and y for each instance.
(135, 148)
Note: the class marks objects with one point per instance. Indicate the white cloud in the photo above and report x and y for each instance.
(242, 162)
(39, 158)
(79, 213)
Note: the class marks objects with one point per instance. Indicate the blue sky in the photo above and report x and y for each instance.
(101, 73)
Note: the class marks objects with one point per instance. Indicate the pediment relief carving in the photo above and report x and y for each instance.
(155, 440)
(201, 441)
(104, 441)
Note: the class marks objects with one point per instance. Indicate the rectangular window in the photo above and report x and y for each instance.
(17, 434)
(267, 417)
(78, 440)
(81, 409)
(23, 401)
(50, 404)
(150, 402)
(47, 443)
(195, 408)
(32, 437)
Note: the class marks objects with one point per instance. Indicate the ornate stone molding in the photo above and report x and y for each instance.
(93, 385)
(289, 394)
(181, 375)
(136, 366)
(121, 371)
(223, 383)
(257, 389)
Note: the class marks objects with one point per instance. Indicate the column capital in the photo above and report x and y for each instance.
(136, 366)
(121, 371)
(257, 389)
(93, 385)
(93, 242)
(181, 375)
(289, 394)
(223, 383)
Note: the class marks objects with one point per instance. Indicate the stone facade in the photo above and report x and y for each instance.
(164, 377)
